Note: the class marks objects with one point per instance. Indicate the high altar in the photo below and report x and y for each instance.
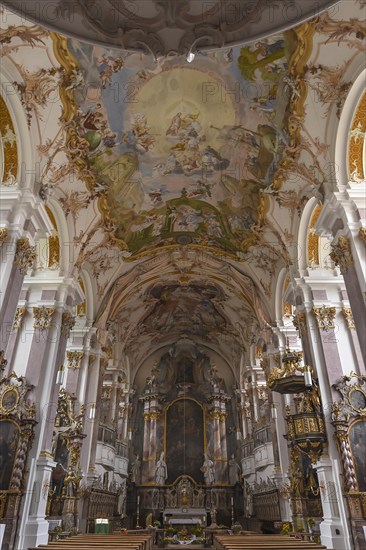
(183, 416)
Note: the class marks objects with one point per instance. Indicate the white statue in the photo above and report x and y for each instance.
(122, 496)
(249, 508)
(234, 471)
(161, 471)
(208, 470)
(136, 470)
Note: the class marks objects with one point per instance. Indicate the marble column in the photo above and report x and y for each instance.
(151, 414)
(38, 355)
(343, 257)
(217, 417)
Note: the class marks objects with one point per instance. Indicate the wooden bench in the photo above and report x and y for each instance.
(261, 542)
(103, 541)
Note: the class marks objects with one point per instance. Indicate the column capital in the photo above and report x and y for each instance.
(67, 323)
(325, 317)
(347, 312)
(25, 255)
(19, 316)
(43, 317)
(299, 322)
(4, 232)
(362, 234)
(74, 358)
(342, 254)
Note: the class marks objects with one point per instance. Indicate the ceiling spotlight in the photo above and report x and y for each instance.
(190, 56)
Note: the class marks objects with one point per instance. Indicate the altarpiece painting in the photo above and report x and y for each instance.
(184, 439)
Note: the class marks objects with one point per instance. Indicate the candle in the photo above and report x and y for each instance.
(232, 501)
(138, 500)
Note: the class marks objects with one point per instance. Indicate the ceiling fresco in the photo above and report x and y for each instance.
(183, 154)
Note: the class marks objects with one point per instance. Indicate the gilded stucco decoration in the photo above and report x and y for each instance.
(342, 253)
(313, 239)
(17, 422)
(4, 232)
(67, 323)
(325, 317)
(25, 255)
(43, 317)
(74, 358)
(299, 322)
(362, 234)
(19, 316)
(349, 419)
(9, 148)
(53, 243)
(287, 308)
(356, 143)
(347, 313)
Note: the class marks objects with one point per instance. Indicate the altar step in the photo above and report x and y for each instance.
(103, 541)
(262, 542)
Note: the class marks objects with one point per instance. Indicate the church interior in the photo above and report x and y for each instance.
(182, 241)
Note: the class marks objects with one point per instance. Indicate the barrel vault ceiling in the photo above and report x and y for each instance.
(182, 184)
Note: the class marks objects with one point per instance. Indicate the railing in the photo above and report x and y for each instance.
(247, 447)
(107, 435)
(121, 449)
(262, 436)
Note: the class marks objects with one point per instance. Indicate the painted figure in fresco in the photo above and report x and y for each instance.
(234, 471)
(136, 470)
(208, 470)
(161, 470)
